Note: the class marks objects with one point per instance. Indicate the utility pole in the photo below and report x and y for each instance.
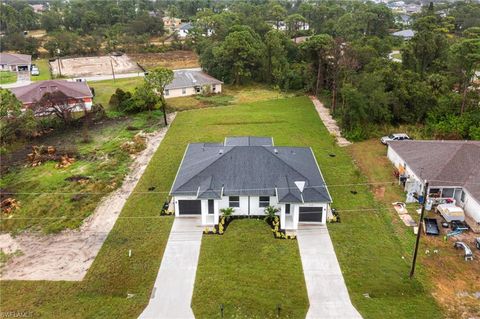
(425, 190)
(113, 72)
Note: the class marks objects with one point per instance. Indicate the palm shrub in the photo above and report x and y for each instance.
(227, 212)
(271, 212)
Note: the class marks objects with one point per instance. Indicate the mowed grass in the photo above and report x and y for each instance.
(249, 272)
(105, 89)
(373, 258)
(7, 77)
(230, 95)
(44, 69)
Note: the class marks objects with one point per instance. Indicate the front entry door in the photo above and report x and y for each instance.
(287, 209)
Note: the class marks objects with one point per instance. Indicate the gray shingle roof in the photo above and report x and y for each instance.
(208, 170)
(443, 163)
(15, 59)
(409, 33)
(186, 26)
(248, 141)
(34, 92)
(191, 78)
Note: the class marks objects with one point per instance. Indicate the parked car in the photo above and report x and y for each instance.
(34, 70)
(477, 243)
(467, 252)
(394, 137)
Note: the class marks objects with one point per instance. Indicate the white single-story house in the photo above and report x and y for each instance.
(249, 174)
(15, 62)
(452, 169)
(184, 29)
(192, 82)
(79, 95)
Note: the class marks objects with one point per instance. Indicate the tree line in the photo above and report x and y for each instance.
(345, 60)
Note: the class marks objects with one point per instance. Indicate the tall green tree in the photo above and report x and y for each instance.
(317, 48)
(155, 81)
(240, 54)
(464, 61)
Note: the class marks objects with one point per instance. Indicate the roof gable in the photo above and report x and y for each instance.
(34, 92)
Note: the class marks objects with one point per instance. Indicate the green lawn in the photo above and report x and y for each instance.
(252, 272)
(7, 77)
(105, 89)
(44, 69)
(367, 247)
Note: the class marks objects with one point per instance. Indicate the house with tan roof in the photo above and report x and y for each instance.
(452, 169)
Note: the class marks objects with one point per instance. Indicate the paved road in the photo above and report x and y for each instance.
(327, 292)
(93, 78)
(172, 293)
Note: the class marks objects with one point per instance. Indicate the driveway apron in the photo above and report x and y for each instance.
(327, 292)
(172, 293)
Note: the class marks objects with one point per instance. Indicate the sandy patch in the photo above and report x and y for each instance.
(92, 66)
(69, 254)
(329, 122)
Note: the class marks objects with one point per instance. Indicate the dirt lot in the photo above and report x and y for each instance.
(92, 66)
(172, 59)
(455, 282)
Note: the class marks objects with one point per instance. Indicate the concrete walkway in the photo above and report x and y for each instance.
(327, 292)
(172, 293)
(329, 122)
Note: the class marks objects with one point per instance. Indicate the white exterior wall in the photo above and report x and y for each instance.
(255, 209)
(471, 207)
(190, 91)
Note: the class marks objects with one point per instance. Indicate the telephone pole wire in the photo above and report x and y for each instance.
(417, 242)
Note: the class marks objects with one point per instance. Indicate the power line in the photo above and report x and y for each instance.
(387, 183)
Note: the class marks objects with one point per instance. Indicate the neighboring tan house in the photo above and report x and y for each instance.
(249, 174)
(171, 24)
(191, 82)
(452, 169)
(15, 62)
(78, 93)
(38, 8)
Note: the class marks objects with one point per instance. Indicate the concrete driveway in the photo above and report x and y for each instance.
(172, 293)
(327, 292)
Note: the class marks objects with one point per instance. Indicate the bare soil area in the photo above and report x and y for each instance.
(92, 66)
(178, 59)
(69, 254)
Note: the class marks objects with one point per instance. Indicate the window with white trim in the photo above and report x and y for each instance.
(167, 92)
(184, 91)
(264, 201)
(234, 201)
